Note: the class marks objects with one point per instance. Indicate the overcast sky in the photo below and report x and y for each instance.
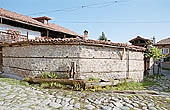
(120, 20)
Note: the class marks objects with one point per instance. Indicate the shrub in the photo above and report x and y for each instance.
(49, 75)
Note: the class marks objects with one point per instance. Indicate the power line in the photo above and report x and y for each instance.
(96, 5)
(113, 22)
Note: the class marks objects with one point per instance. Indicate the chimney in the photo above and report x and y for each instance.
(154, 40)
(43, 19)
(85, 34)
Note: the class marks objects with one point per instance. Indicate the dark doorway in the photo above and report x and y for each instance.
(1, 59)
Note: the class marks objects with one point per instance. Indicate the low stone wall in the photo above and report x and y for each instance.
(98, 61)
(165, 65)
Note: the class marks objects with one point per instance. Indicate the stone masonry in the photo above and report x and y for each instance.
(98, 61)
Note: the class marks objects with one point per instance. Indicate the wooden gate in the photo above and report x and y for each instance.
(1, 59)
(146, 66)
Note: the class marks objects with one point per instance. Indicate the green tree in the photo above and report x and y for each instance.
(156, 54)
(103, 37)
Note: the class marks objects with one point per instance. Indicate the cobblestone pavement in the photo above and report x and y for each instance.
(17, 96)
(163, 82)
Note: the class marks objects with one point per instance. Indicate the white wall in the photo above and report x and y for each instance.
(31, 34)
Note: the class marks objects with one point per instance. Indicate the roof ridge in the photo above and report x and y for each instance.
(78, 41)
(164, 41)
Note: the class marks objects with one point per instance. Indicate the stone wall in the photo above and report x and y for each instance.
(106, 63)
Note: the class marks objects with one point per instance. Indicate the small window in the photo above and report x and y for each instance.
(165, 51)
(142, 41)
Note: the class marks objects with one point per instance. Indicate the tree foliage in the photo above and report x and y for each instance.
(103, 37)
(154, 53)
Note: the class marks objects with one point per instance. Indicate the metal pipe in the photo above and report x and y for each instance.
(1, 20)
(127, 74)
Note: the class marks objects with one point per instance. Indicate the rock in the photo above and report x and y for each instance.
(135, 105)
(106, 108)
(106, 101)
(152, 108)
(111, 105)
(144, 108)
(125, 108)
(26, 104)
(67, 99)
(101, 84)
(89, 107)
(1, 102)
(97, 102)
(59, 97)
(128, 105)
(72, 101)
(77, 105)
(115, 99)
(64, 103)
(118, 104)
(10, 97)
(143, 104)
(55, 105)
(151, 104)
(58, 101)
(67, 108)
(116, 108)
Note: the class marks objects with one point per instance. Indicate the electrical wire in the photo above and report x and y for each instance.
(97, 5)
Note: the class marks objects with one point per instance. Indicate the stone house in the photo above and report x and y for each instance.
(164, 45)
(141, 41)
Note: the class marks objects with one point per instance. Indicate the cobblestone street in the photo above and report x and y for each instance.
(16, 95)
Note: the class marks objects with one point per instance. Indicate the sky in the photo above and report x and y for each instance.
(120, 20)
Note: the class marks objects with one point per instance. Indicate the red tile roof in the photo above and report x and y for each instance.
(141, 38)
(76, 41)
(164, 41)
(30, 21)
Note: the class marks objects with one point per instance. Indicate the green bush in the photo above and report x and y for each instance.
(49, 75)
(93, 79)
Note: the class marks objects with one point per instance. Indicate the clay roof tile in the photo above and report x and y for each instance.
(31, 21)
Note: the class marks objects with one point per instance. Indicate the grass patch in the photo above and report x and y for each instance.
(128, 86)
(94, 79)
(166, 69)
(146, 83)
(49, 75)
(14, 81)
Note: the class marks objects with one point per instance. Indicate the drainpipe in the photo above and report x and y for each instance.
(123, 52)
(127, 73)
(1, 57)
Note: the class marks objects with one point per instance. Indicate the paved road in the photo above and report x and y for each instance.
(17, 96)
